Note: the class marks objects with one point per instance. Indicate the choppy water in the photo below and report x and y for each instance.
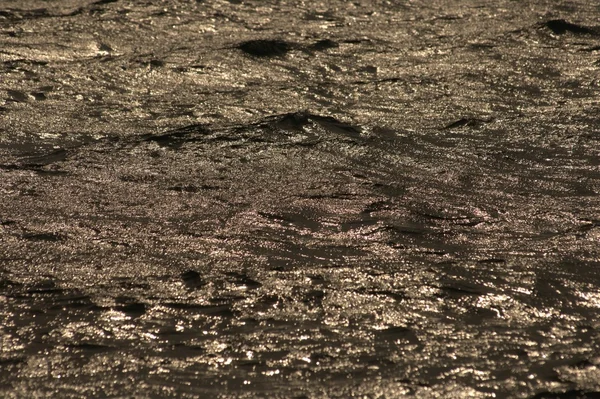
(374, 199)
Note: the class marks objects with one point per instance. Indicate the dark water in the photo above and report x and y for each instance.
(288, 199)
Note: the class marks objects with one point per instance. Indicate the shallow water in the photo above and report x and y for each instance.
(379, 199)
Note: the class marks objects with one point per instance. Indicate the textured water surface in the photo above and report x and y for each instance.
(293, 199)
